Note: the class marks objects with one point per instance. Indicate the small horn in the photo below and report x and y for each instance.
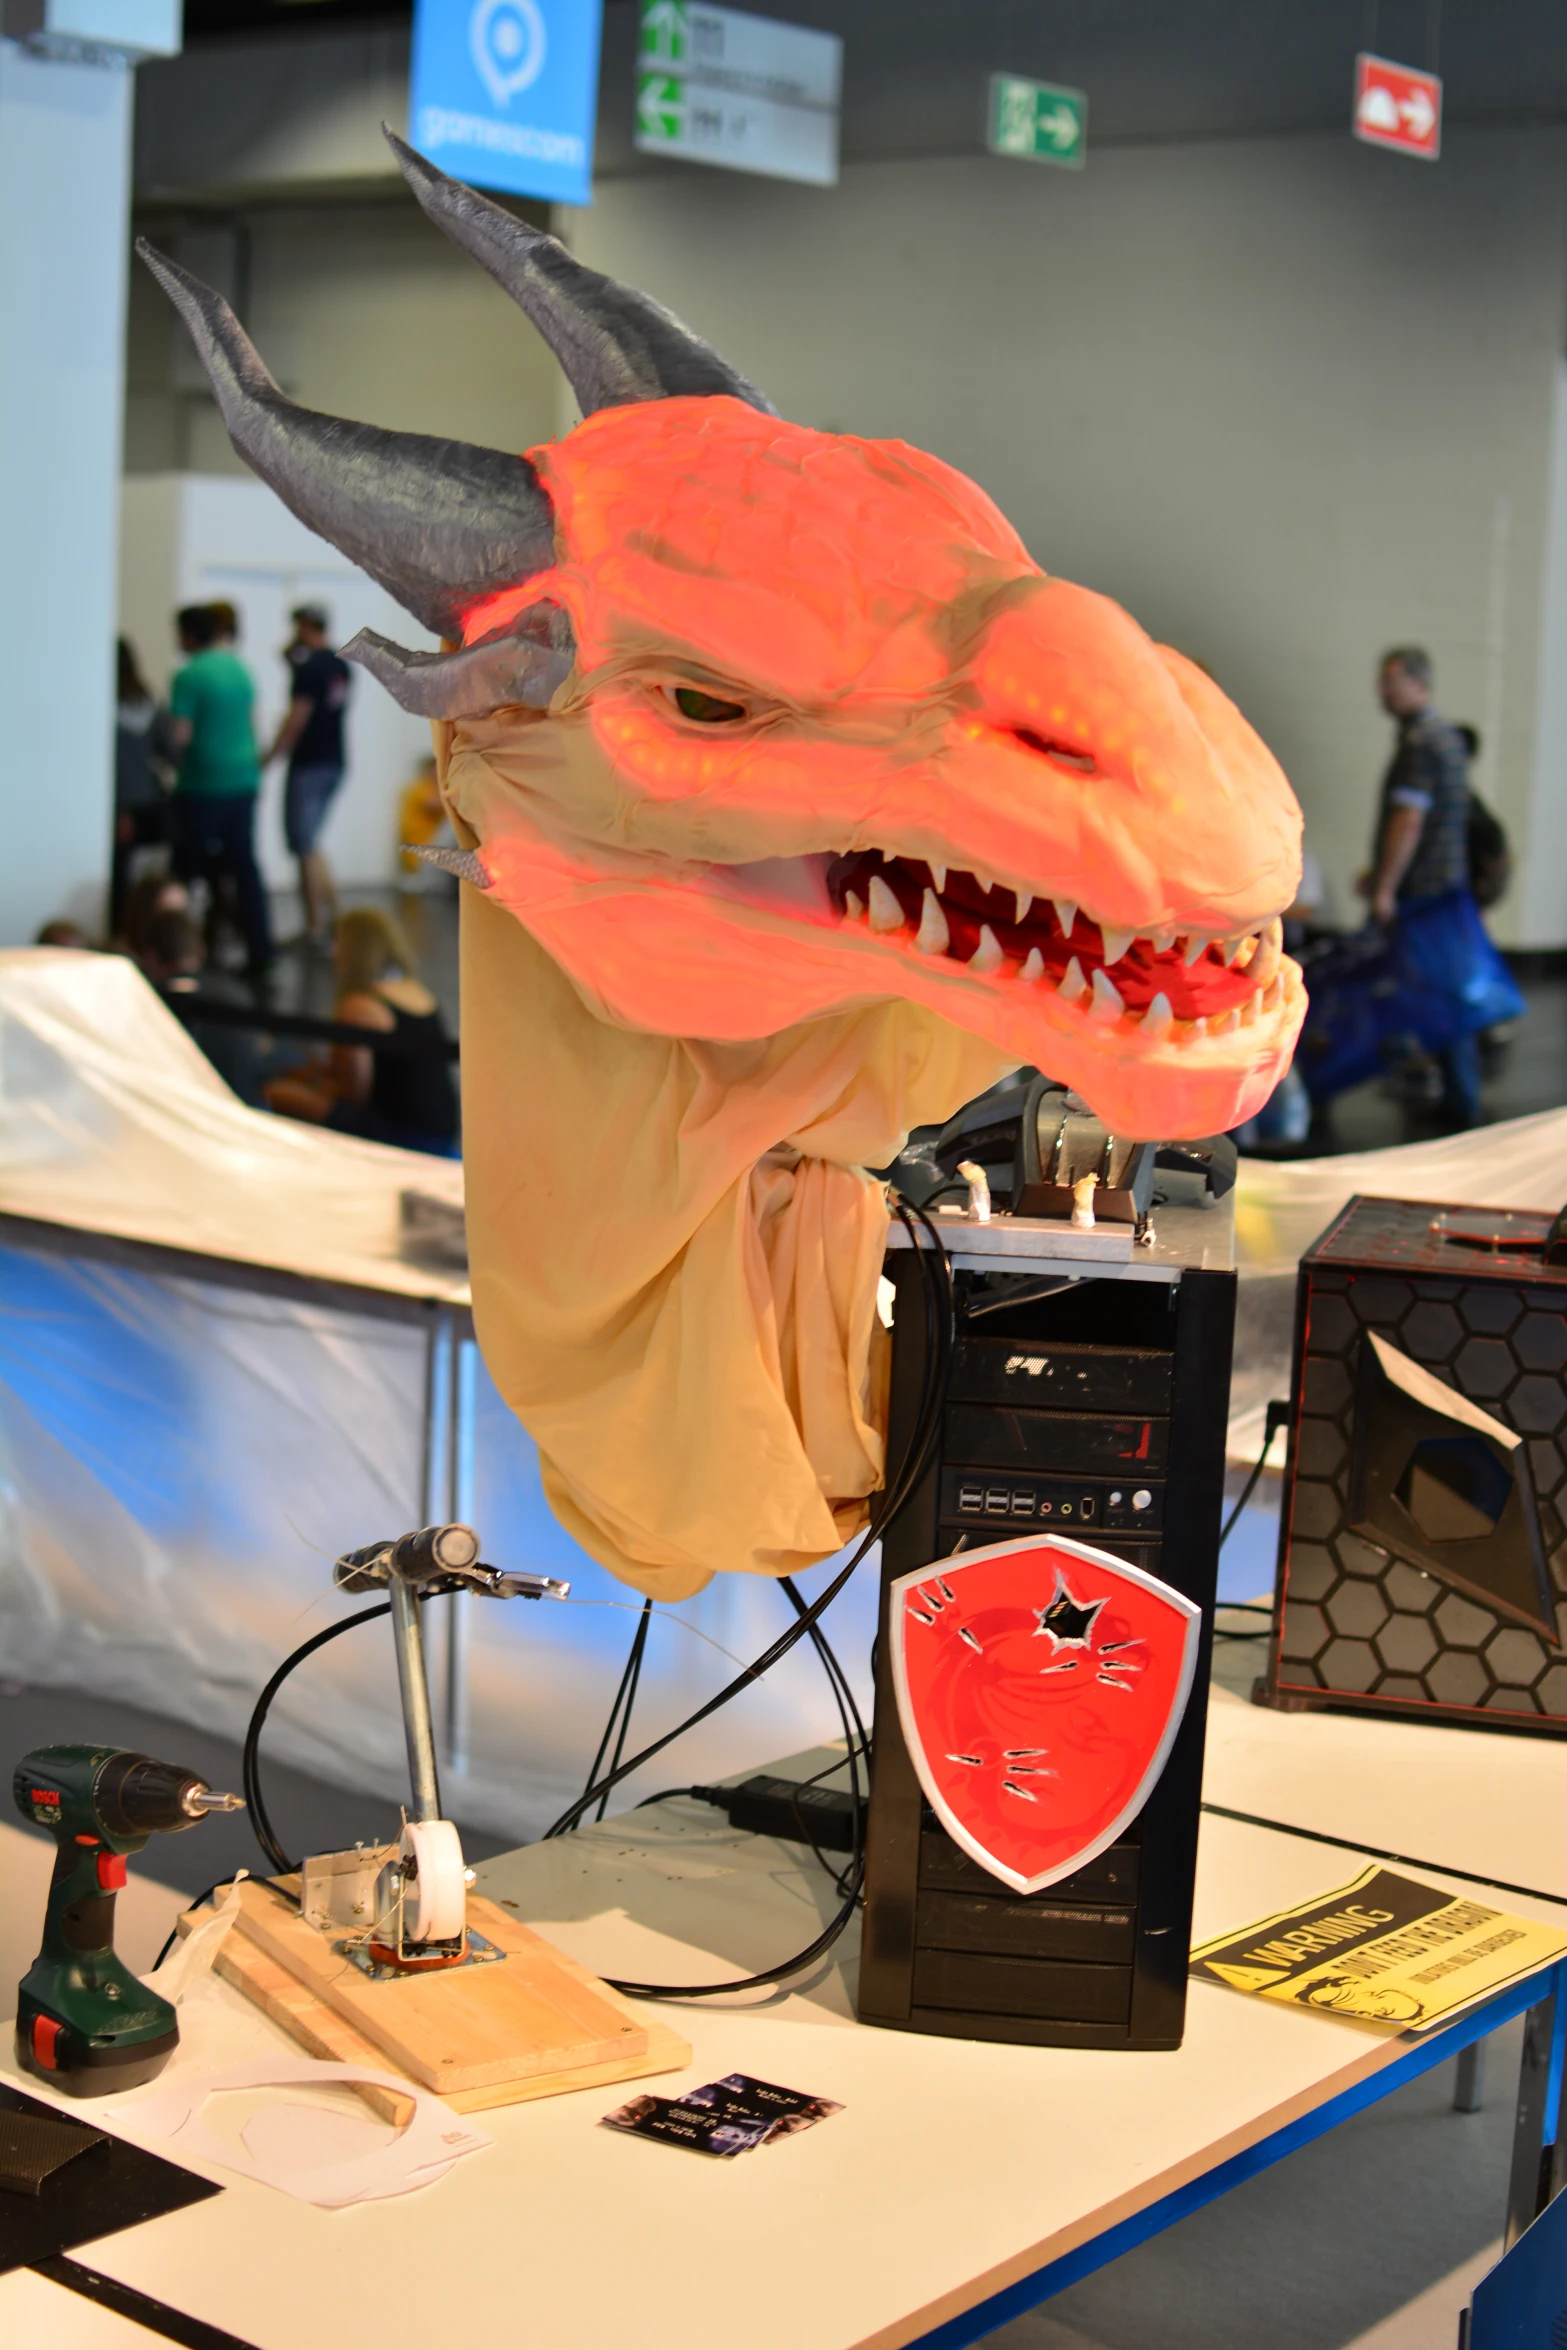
(467, 864)
(467, 684)
(438, 523)
(616, 346)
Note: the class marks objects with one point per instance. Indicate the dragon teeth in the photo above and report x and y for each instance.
(984, 882)
(885, 912)
(1263, 967)
(938, 875)
(1066, 914)
(987, 956)
(1025, 899)
(1163, 940)
(1229, 948)
(1158, 1020)
(1073, 984)
(853, 907)
(1116, 942)
(1227, 1024)
(1196, 942)
(932, 937)
(1034, 969)
(1108, 1003)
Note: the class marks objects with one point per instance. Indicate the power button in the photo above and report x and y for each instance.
(46, 2035)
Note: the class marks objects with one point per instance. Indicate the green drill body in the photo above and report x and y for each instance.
(84, 2023)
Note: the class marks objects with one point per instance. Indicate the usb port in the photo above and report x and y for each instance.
(996, 1501)
(1085, 1508)
(1022, 1504)
(971, 1497)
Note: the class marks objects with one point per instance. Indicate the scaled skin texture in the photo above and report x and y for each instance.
(844, 809)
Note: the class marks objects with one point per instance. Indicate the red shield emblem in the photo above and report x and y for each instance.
(1040, 1684)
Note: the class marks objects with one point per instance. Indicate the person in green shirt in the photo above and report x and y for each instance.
(213, 733)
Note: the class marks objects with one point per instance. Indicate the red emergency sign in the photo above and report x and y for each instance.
(1397, 107)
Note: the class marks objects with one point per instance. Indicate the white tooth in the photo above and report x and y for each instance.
(1158, 1019)
(984, 881)
(1163, 940)
(1066, 914)
(1034, 969)
(1107, 1004)
(1073, 984)
(1195, 943)
(885, 911)
(1226, 1023)
(932, 937)
(1241, 959)
(1273, 994)
(1264, 964)
(1229, 948)
(1116, 942)
(987, 956)
(1025, 899)
(938, 874)
(1199, 1027)
(853, 907)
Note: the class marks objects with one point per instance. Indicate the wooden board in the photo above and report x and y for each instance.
(321, 2031)
(533, 2015)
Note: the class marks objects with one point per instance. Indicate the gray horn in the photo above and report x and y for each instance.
(483, 677)
(438, 523)
(616, 346)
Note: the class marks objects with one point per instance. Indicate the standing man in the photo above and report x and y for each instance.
(212, 731)
(311, 739)
(1422, 839)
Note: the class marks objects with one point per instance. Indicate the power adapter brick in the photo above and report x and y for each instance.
(764, 1806)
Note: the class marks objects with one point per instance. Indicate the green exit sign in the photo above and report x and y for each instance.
(1039, 121)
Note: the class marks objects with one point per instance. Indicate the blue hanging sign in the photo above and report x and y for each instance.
(505, 92)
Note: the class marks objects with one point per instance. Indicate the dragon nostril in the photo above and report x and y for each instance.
(1052, 750)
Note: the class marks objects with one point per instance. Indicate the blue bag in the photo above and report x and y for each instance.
(1426, 979)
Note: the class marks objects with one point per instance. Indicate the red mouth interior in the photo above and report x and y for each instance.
(1201, 991)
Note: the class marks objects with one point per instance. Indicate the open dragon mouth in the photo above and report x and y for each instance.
(1180, 984)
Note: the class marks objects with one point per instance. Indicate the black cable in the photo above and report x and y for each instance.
(853, 1738)
(628, 1682)
(1442, 1868)
(1278, 1417)
(638, 1651)
(940, 1324)
(939, 1331)
(250, 1768)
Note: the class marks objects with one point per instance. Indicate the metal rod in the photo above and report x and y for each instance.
(1469, 2089)
(417, 1729)
(465, 1370)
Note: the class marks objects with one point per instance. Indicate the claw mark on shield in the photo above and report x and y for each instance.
(1008, 1787)
(1068, 1621)
(918, 1618)
(965, 1634)
(975, 1762)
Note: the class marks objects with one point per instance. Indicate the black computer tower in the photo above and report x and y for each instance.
(1097, 1411)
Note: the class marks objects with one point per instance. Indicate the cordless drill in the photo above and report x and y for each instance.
(83, 2021)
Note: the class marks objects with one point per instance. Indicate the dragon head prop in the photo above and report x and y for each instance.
(754, 724)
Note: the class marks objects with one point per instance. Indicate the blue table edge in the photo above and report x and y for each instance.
(1419, 2056)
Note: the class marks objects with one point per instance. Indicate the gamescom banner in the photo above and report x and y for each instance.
(504, 93)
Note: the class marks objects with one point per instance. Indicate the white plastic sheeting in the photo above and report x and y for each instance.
(185, 1447)
(186, 1442)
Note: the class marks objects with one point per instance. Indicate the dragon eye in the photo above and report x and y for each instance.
(706, 709)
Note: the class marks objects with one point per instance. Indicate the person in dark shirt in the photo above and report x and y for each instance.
(143, 771)
(311, 739)
(406, 1098)
(174, 957)
(1422, 836)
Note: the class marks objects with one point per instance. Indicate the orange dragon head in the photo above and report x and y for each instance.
(753, 723)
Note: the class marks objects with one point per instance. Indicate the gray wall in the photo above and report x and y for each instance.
(1288, 400)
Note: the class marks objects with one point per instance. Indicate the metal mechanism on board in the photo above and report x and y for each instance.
(413, 1898)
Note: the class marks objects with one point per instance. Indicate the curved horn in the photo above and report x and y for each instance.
(438, 523)
(616, 346)
(468, 684)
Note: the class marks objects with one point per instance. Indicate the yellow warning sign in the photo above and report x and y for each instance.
(1384, 1949)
